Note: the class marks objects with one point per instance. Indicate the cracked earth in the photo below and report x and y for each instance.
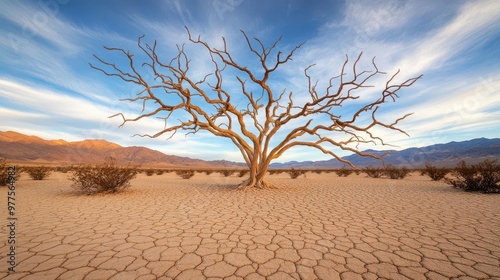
(319, 227)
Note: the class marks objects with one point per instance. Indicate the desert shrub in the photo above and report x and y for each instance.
(159, 171)
(105, 178)
(149, 172)
(394, 172)
(295, 173)
(343, 172)
(373, 172)
(63, 169)
(185, 174)
(4, 172)
(38, 172)
(483, 177)
(208, 172)
(275, 171)
(317, 171)
(227, 173)
(242, 173)
(435, 173)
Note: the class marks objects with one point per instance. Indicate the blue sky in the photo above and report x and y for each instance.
(47, 88)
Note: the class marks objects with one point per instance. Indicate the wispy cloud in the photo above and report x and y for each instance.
(472, 27)
(42, 45)
(45, 76)
(59, 105)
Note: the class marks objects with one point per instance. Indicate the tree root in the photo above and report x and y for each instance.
(254, 183)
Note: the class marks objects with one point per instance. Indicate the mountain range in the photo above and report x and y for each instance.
(20, 148)
(442, 155)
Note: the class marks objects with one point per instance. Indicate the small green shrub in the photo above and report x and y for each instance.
(482, 177)
(38, 172)
(185, 174)
(149, 172)
(343, 172)
(435, 173)
(394, 172)
(105, 178)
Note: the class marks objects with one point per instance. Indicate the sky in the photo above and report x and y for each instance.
(48, 89)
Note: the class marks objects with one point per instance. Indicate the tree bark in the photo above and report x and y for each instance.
(256, 180)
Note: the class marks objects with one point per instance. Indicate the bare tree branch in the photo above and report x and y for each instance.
(168, 87)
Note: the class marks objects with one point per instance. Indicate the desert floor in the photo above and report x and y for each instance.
(318, 227)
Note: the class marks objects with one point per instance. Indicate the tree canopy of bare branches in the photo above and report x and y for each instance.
(257, 127)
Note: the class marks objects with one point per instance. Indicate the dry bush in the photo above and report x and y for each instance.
(482, 177)
(343, 172)
(317, 171)
(185, 174)
(373, 172)
(63, 169)
(105, 178)
(394, 172)
(227, 173)
(242, 173)
(159, 171)
(208, 172)
(435, 173)
(275, 171)
(38, 172)
(149, 172)
(295, 173)
(4, 172)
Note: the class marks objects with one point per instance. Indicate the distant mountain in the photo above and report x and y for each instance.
(20, 148)
(448, 155)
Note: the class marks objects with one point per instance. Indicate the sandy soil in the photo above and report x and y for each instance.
(319, 227)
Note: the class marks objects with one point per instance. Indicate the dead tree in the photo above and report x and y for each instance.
(256, 128)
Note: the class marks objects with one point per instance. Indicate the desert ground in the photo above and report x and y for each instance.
(318, 227)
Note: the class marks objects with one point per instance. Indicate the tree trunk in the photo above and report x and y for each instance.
(256, 180)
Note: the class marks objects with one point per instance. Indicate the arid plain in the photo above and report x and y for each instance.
(319, 227)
